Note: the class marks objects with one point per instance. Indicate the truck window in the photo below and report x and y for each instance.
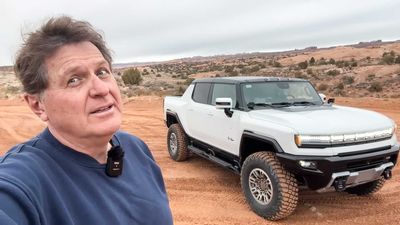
(200, 93)
(224, 91)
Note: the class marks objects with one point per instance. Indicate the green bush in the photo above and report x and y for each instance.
(132, 76)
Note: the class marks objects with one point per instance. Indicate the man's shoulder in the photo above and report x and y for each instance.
(22, 162)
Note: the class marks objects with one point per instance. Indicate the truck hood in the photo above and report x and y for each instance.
(324, 120)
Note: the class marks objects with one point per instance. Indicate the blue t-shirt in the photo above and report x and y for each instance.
(45, 182)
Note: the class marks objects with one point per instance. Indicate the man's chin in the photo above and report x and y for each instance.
(107, 130)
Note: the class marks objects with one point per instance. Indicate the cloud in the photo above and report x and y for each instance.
(155, 29)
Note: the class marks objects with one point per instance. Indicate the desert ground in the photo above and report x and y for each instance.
(201, 192)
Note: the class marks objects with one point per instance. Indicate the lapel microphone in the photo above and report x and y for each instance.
(115, 158)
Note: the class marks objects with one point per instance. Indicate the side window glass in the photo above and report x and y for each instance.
(224, 91)
(200, 93)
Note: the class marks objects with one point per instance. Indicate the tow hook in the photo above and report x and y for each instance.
(340, 183)
(387, 173)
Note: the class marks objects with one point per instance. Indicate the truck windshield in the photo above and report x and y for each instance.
(280, 93)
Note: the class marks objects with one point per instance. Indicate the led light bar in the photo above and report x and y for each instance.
(342, 139)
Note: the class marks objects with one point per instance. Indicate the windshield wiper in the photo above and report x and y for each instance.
(303, 103)
(251, 105)
(282, 104)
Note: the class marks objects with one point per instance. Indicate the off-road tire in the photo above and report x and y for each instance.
(367, 188)
(177, 137)
(284, 198)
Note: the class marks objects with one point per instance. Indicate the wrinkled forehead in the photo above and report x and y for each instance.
(75, 55)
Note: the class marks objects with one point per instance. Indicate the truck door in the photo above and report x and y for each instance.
(223, 131)
(197, 112)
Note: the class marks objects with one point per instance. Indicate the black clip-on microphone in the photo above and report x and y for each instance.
(115, 161)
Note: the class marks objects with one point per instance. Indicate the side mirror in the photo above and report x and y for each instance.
(323, 97)
(223, 103)
(331, 101)
(226, 104)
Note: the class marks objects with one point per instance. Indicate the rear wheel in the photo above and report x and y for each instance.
(270, 190)
(367, 188)
(177, 143)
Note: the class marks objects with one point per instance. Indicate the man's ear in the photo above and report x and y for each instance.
(36, 104)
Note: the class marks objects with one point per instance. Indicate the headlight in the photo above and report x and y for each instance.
(316, 141)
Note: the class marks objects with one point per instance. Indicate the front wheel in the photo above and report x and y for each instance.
(177, 143)
(270, 190)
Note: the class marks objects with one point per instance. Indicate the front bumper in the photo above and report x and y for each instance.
(359, 167)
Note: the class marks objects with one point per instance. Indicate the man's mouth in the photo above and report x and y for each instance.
(102, 109)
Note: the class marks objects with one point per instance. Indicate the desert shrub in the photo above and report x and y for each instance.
(397, 60)
(229, 69)
(322, 61)
(331, 61)
(277, 64)
(348, 79)
(180, 90)
(299, 74)
(388, 58)
(189, 81)
(303, 65)
(158, 75)
(310, 71)
(234, 73)
(340, 64)
(375, 87)
(323, 87)
(132, 76)
(340, 86)
(312, 61)
(370, 77)
(254, 69)
(333, 72)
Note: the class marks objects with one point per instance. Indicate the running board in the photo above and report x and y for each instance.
(213, 158)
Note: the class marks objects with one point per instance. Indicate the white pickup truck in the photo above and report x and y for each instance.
(278, 133)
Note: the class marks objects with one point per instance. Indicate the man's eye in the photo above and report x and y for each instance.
(73, 81)
(103, 73)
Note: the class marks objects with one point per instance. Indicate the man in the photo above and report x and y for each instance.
(81, 169)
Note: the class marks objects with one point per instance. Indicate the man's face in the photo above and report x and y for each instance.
(82, 99)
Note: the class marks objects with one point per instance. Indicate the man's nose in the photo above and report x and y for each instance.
(99, 87)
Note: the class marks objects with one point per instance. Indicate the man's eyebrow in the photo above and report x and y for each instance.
(72, 69)
(75, 68)
(102, 63)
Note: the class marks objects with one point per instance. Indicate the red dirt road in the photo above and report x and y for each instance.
(201, 192)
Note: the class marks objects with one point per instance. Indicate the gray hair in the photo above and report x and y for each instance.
(30, 66)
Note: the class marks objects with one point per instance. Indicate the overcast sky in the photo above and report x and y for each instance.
(154, 30)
